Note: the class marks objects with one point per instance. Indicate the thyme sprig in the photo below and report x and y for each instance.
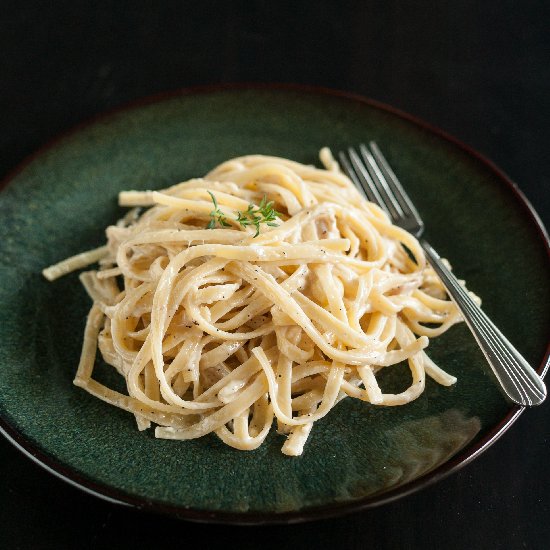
(252, 216)
(256, 215)
(216, 216)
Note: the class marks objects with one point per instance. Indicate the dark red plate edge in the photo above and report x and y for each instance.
(312, 513)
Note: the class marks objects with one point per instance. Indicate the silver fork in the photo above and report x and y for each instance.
(371, 173)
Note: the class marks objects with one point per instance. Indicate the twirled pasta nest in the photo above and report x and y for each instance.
(222, 326)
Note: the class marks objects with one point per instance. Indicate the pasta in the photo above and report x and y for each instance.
(266, 291)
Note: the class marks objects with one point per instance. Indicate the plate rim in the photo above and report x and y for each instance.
(465, 456)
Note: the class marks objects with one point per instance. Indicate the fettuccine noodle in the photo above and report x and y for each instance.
(219, 330)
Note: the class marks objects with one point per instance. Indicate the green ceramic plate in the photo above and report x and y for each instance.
(58, 204)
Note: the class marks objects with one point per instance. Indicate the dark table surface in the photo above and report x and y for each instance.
(478, 70)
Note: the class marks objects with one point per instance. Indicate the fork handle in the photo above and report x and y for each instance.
(520, 383)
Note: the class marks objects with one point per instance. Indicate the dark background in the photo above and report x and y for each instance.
(478, 70)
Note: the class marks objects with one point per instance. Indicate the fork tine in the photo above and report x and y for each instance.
(351, 172)
(361, 183)
(394, 184)
(348, 169)
(382, 185)
(362, 176)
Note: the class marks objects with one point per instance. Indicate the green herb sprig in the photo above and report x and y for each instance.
(252, 216)
(216, 216)
(256, 215)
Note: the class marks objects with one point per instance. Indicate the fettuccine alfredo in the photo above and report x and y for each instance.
(266, 291)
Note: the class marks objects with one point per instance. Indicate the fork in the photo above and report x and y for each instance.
(371, 173)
